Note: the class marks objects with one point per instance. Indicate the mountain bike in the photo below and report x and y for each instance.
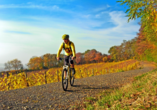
(68, 72)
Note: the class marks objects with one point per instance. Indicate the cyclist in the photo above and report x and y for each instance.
(69, 48)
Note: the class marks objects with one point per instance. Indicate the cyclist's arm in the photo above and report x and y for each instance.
(59, 51)
(73, 49)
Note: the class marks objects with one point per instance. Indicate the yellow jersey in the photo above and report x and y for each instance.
(68, 50)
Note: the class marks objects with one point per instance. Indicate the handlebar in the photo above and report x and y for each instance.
(60, 59)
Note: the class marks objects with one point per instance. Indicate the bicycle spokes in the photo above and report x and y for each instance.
(64, 81)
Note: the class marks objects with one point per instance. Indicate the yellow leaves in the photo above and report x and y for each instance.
(54, 74)
(154, 11)
(105, 58)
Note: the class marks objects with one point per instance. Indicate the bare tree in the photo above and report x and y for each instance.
(8, 66)
(16, 64)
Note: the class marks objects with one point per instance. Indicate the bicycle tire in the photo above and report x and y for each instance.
(64, 81)
(71, 78)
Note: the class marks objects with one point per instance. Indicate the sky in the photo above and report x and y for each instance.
(34, 27)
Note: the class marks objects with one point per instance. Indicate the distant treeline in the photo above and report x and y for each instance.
(48, 60)
(125, 51)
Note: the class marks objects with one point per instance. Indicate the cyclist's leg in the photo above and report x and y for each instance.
(72, 65)
(66, 60)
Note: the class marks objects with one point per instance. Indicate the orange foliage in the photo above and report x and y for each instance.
(78, 58)
(35, 63)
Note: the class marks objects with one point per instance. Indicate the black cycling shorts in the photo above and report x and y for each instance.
(67, 59)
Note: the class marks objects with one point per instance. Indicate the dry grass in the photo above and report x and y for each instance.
(139, 95)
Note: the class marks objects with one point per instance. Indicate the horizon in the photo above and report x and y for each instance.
(35, 28)
(2, 65)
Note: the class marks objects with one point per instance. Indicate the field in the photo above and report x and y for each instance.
(23, 80)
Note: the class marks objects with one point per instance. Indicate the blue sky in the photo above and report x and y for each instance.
(34, 27)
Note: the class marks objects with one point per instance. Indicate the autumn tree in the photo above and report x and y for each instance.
(86, 57)
(86, 51)
(35, 63)
(113, 51)
(90, 56)
(16, 64)
(124, 51)
(104, 59)
(98, 57)
(78, 58)
(48, 60)
(109, 58)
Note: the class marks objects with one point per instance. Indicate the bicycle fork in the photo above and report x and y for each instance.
(65, 67)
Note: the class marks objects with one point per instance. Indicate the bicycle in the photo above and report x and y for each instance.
(67, 70)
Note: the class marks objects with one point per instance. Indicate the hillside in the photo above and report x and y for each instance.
(51, 95)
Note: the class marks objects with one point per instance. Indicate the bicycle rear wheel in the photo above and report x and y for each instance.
(71, 78)
(64, 81)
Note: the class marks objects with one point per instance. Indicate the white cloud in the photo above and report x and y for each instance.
(118, 18)
(99, 15)
(101, 8)
(54, 7)
(46, 39)
(30, 5)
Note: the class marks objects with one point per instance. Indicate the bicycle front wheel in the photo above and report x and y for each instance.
(71, 78)
(64, 81)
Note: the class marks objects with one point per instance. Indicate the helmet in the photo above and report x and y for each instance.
(65, 36)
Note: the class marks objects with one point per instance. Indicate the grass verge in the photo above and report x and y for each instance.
(141, 94)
